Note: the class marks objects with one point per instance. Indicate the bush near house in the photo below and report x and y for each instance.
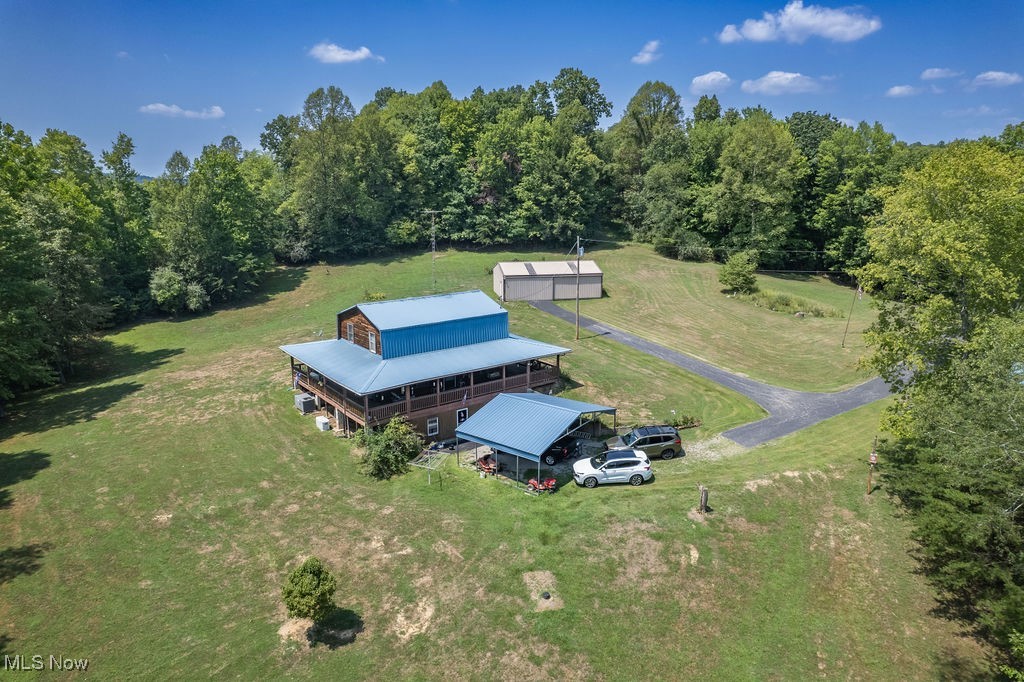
(387, 452)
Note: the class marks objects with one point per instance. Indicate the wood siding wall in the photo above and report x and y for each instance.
(362, 328)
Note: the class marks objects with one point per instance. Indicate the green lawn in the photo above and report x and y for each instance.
(681, 306)
(149, 514)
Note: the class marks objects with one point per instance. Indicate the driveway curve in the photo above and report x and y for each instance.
(788, 410)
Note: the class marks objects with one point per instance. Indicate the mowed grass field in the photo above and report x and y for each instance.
(150, 512)
(681, 306)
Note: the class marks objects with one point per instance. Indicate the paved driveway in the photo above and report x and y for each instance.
(788, 410)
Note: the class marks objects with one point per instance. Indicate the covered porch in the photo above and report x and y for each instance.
(354, 410)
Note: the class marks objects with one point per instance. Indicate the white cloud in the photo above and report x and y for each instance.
(174, 111)
(123, 55)
(648, 54)
(781, 83)
(329, 53)
(902, 91)
(730, 34)
(796, 23)
(996, 79)
(935, 74)
(712, 81)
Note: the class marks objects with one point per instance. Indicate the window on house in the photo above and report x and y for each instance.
(433, 426)
(462, 415)
(350, 332)
(373, 342)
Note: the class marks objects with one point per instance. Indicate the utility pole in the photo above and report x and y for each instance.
(856, 295)
(872, 462)
(579, 252)
(433, 247)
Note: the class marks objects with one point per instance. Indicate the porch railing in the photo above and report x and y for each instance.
(537, 377)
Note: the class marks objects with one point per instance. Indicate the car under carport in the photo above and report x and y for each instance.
(527, 424)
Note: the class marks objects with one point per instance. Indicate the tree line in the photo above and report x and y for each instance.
(85, 244)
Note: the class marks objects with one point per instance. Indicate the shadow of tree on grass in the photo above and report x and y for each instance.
(336, 630)
(64, 407)
(19, 466)
(24, 560)
(104, 360)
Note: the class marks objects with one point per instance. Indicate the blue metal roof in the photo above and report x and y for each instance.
(413, 312)
(441, 335)
(363, 372)
(525, 424)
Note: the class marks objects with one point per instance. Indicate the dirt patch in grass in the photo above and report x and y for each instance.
(295, 630)
(446, 548)
(713, 449)
(413, 620)
(535, 660)
(752, 486)
(540, 583)
(640, 556)
(225, 367)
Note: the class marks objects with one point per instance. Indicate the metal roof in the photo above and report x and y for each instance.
(440, 335)
(525, 424)
(363, 372)
(548, 268)
(413, 312)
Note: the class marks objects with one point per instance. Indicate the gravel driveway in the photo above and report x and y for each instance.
(788, 410)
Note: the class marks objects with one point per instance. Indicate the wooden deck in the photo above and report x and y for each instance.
(424, 405)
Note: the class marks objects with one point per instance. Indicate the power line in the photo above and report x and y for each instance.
(433, 246)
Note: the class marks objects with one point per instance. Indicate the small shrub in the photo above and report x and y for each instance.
(737, 274)
(694, 247)
(196, 298)
(309, 591)
(684, 421)
(387, 452)
(787, 303)
(371, 296)
(167, 287)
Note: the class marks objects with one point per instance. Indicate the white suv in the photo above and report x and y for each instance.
(613, 466)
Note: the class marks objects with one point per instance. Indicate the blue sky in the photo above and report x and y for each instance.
(182, 75)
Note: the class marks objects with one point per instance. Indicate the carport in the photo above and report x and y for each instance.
(526, 424)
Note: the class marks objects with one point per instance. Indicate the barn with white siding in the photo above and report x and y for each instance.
(547, 280)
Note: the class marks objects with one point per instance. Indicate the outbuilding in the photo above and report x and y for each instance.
(547, 280)
(526, 424)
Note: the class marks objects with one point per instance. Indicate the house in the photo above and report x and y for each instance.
(432, 359)
(547, 280)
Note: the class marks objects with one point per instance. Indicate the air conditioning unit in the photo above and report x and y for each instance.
(305, 403)
(323, 423)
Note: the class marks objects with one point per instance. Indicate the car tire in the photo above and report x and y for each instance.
(636, 479)
(668, 454)
(550, 460)
(590, 482)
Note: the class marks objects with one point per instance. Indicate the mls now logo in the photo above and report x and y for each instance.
(20, 662)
